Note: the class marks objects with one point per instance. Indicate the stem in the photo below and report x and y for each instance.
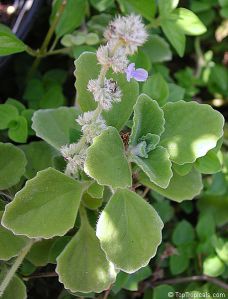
(200, 58)
(43, 49)
(15, 266)
(83, 215)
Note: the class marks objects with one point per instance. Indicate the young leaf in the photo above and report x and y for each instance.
(209, 163)
(9, 43)
(179, 262)
(106, 161)
(213, 266)
(39, 253)
(183, 233)
(182, 169)
(157, 166)
(167, 6)
(7, 114)
(129, 230)
(145, 8)
(12, 165)
(56, 125)
(180, 187)
(189, 22)
(188, 136)
(87, 68)
(18, 129)
(175, 35)
(15, 289)
(37, 210)
(82, 266)
(10, 244)
(148, 118)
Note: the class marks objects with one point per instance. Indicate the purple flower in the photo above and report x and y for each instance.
(138, 74)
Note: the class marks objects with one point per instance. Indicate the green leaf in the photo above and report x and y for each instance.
(10, 244)
(157, 49)
(9, 43)
(164, 209)
(82, 266)
(157, 166)
(39, 253)
(183, 233)
(145, 8)
(221, 248)
(176, 93)
(106, 161)
(39, 155)
(18, 129)
(7, 114)
(161, 291)
(87, 68)
(20, 107)
(102, 5)
(175, 35)
(34, 91)
(180, 187)
(55, 125)
(209, 163)
(15, 289)
(96, 190)
(206, 226)
(189, 22)
(182, 169)
(167, 6)
(148, 118)
(213, 266)
(126, 225)
(37, 210)
(178, 263)
(72, 16)
(57, 247)
(132, 283)
(157, 88)
(188, 136)
(53, 97)
(12, 165)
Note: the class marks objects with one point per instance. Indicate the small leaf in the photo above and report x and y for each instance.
(55, 125)
(180, 187)
(72, 16)
(7, 114)
(82, 266)
(176, 93)
(179, 262)
(167, 6)
(37, 210)
(160, 292)
(148, 118)
(96, 190)
(88, 68)
(10, 244)
(9, 43)
(182, 169)
(53, 97)
(183, 233)
(157, 166)
(209, 163)
(12, 165)
(188, 136)
(106, 161)
(127, 225)
(145, 8)
(39, 253)
(157, 88)
(18, 129)
(20, 107)
(189, 22)
(206, 226)
(213, 266)
(175, 35)
(157, 49)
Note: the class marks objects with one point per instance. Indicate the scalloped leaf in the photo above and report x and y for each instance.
(191, 130)
(46, 207)
(157, 166)
(12, 165)
(148, 118)
(56, 126)
(180, 187)
(10, 244)
(106, 161)
(88, 68)
(129, 230)
(82, 265)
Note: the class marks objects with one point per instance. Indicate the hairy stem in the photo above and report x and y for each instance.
(15, 266)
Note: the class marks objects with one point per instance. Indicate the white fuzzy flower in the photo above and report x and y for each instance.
(76, 163)
(114, 58)
(68, 151)
(106, 95)
(91, 126)
(129, 30)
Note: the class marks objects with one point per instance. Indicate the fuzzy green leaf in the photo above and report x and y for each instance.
(157, 166)
(37, 210)
(180, 187)
(87, 68)
(12, 165)
(106, 161)
(55, 126)
(188, 136)
(148, 118)
(82, 266)
(209, 164)
(10, 244)
(129, 230)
